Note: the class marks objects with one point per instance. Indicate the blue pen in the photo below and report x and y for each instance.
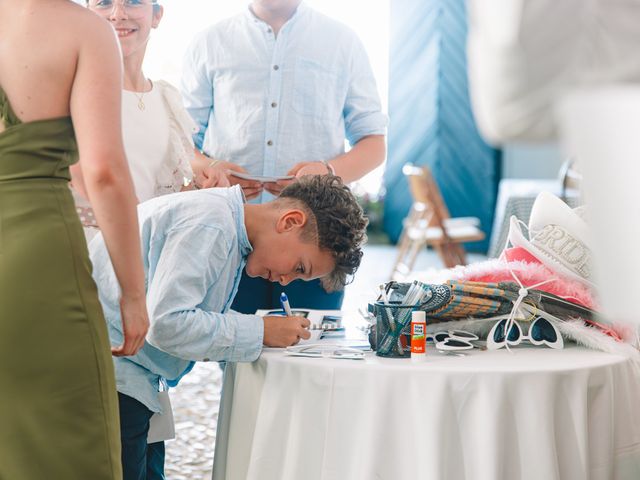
(284, 301)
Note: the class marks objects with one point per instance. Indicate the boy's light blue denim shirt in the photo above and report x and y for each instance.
(267, 102)
(194, 247)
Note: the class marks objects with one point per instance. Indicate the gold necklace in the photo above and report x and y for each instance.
(140, 97)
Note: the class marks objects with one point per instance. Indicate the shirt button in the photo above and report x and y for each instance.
(276, 67)
(274, 104)
(268, 30)
(206, 359)
(269, 143)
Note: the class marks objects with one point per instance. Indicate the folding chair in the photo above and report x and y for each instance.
(570, 178)
(429, 223)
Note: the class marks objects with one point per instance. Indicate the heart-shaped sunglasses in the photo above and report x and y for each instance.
(541, 332)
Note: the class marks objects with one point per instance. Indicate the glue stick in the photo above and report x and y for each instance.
(418, 336)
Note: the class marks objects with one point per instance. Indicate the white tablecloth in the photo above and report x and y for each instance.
(536, 414)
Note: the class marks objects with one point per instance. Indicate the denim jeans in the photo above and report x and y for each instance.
(140, 461)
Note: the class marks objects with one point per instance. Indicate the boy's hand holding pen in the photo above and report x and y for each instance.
(284, 331)
(287, 330)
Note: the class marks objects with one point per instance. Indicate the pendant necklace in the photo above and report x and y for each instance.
(140, 98)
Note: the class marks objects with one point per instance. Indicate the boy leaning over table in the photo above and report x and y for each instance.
(195, 246)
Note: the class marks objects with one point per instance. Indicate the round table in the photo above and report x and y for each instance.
(535, 414)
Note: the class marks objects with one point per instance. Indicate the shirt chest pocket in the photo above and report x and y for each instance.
(317, 91)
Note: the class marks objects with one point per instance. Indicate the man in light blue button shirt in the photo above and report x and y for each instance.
(276, 90)
(195, 246)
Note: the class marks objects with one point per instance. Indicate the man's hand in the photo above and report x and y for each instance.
(308, 168)
(282, 331)
(298, 170)
(274, 188)
(135, 324)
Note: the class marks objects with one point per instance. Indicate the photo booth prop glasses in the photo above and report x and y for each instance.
(453, 340)
(457, 334)
(541, 332)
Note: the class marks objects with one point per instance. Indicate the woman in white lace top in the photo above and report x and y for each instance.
(157, 130)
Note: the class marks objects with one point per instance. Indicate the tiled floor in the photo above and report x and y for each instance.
(196, 400)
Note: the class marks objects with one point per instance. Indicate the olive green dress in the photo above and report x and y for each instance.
(58, 403)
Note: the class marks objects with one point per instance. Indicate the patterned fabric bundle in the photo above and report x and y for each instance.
(457, 300)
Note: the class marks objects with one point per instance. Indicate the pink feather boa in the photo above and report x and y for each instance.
(530, 272)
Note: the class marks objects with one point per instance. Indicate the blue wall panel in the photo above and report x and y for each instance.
(431, 119)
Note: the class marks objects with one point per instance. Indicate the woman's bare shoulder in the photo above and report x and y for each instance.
(83, 24)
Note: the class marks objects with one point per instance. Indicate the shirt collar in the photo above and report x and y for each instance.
(300, 11)
(243, 238)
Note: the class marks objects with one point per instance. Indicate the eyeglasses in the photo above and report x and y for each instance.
(452, 340)
(130, 6)
(541, 332)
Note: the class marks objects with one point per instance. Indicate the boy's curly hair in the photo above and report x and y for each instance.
(338, 223)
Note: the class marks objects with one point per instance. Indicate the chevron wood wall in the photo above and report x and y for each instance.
(431, 119)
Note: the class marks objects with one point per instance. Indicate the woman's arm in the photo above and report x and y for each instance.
(95, 110)
(205, 175)
(208, 172)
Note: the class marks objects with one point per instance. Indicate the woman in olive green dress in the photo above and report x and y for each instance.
(59, 66)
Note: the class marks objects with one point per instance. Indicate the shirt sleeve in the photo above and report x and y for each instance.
(362, 111)
(192, 260)
(197, 86)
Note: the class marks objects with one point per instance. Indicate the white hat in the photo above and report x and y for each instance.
(558, 237)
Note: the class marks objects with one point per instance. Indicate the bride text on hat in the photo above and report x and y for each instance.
(566, 247)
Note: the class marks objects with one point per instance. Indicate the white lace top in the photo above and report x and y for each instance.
(158, 143)
(175, 168)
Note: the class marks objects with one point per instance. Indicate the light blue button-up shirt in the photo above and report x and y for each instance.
(194, 247)
(267, 102)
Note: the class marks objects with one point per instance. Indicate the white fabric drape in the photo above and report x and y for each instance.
(532, 415)
(523, 55)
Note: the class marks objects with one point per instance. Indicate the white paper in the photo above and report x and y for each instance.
(260, 178)
(325, 350)
(161, 426)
